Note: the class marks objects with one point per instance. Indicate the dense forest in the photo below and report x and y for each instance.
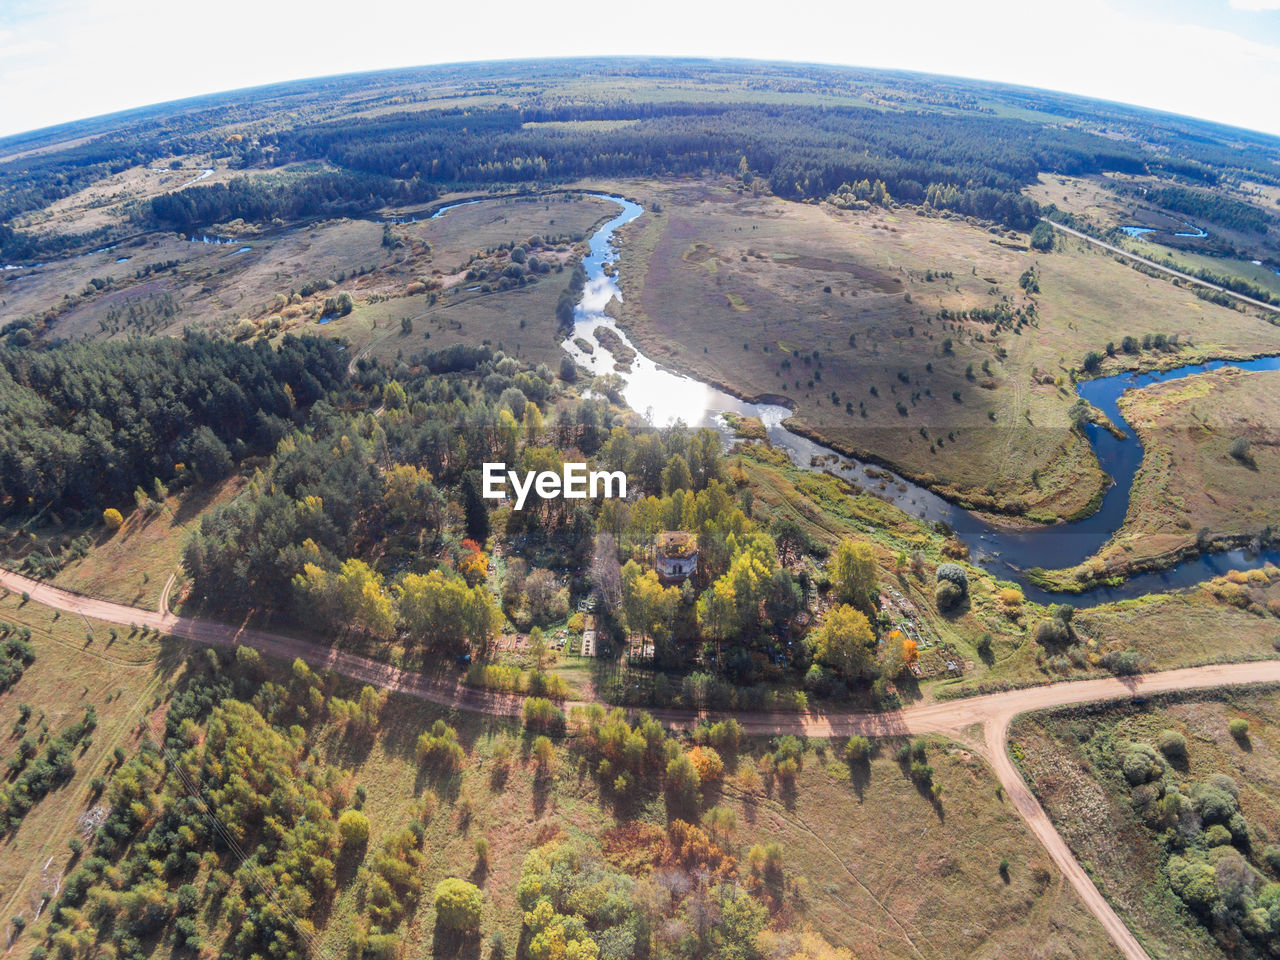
(257, 199)
(1206, 206)
(804, 152)
(87, 424)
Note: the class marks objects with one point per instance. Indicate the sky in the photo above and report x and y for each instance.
(65, 60)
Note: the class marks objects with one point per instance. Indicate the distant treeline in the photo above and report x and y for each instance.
(86, 424)
(1223, 211)
(329, 194)
(803, 151)
(942, 135)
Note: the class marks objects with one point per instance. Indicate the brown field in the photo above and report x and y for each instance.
(843, 840)
(226, 287)
(733, 288)
(1189, 482)
(107, 202)
(520, 321)
(1092, 808)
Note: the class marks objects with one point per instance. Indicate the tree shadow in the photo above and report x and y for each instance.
(859, 776)
(456, 946)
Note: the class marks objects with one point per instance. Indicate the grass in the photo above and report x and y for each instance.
(863, 291)
(843, 833)
(889, 873)
(1190, 487)
(119, 679)
(1069, 759)
(130, 565)
(521, 321)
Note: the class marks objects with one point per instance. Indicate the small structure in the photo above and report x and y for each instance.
(675, 555)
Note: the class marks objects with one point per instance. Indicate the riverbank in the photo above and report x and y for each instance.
(664, 396)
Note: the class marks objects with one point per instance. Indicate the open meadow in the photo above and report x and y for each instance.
(936, 346)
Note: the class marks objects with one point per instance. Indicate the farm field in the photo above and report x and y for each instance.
(977, 412)
(1113, 819)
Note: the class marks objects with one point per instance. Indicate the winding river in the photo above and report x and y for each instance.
(665, 397)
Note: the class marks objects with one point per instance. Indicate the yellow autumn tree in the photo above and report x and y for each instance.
(844, 642)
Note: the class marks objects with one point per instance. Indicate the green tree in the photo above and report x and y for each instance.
(649, 606)
(459, 905)
(444, 612)
(353, 828)
(845, 642)
(855, 575)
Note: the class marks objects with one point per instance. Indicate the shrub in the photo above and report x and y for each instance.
(1010, 597)
(725, 735)
(1172, 744)
(1122, 663)
(1241, 450)
(947, 595)
(1217, 836)
(857, 749)
(1141, 765)
(112, 518)
(1239, 728)
(353, 828)
(953, 573)
(707, 762)
(541, 714)
(1271, 857)
(1052, 632)
(439, 747)
(543, 752)
(459, 905)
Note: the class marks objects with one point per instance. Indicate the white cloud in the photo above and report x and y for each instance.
(1255, 6)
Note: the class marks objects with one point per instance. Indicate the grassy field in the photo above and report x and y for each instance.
(843, 838)
(130, 565)
(844, 827)
(256, 283)
(119, 679)
(1190, 487)
(521, 321)
(1089, 198)
(1071, 761)
(822, 307)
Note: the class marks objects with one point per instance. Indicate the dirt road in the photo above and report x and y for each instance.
(1161, 267)
(993, 712)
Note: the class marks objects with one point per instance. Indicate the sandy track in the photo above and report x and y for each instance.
(994, 712)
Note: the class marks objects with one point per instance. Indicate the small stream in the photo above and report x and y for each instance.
(663, 397)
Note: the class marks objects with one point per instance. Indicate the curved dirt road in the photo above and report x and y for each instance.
(993, 712)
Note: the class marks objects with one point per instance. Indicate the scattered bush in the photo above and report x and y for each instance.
(459, 905)
(947, 595)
